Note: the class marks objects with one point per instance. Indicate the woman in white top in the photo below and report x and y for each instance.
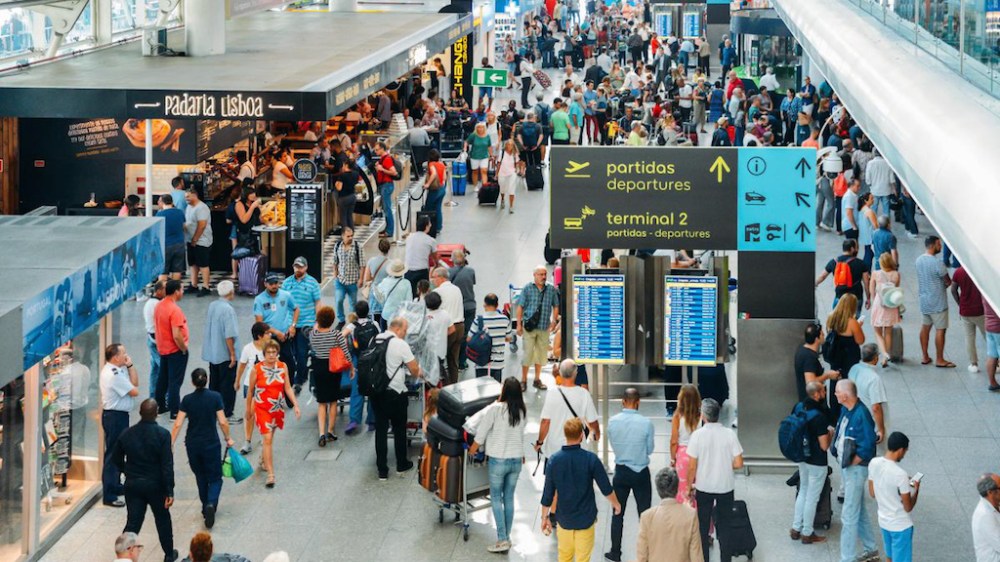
(281, 174)
(507, 173)
(251, 354)
(686, 419)
(493, 130)
(501, 427)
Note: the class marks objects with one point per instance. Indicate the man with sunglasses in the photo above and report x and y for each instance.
(127, 548)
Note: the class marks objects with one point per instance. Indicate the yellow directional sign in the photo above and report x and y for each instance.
(719, 167)
(572, 171)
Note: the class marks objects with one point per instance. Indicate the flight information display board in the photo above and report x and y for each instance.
(690, 320)
(599, 319)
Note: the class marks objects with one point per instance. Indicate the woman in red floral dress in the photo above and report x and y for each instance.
(269, 387)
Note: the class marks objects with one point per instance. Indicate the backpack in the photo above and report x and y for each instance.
(363, 337)
(842, 274)
(827, 348)
(479, 349)
(793, 434)
(398, 166)
(373, 376)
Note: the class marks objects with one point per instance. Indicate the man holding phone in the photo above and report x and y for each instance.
(896, 496)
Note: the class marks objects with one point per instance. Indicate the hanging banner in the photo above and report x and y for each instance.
(461, 68)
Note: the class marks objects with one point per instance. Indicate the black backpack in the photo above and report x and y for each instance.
(373, 376)
(364, 336)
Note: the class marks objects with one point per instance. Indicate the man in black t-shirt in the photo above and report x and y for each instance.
(812, 471)
(858, 277)
(807, 366)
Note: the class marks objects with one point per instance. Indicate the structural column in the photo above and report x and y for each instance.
(205, 28)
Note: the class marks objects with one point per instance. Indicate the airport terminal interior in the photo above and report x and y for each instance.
(534, 280)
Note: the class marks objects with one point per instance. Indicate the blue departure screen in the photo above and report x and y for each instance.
(599, 319)
(690, 325)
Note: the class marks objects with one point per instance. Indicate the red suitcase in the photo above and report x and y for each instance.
(445, 251)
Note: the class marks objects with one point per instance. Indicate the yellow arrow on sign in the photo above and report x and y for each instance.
(719, 167)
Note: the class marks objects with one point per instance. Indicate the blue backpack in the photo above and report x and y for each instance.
(479, 349)
(793, 434)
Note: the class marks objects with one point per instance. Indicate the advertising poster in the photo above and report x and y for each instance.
(59, 313)
(173, 140)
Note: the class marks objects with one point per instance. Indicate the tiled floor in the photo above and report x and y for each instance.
(326, 510)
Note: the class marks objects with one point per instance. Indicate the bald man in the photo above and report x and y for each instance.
(631, 436)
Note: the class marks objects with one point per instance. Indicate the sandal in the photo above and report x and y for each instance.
(270, 481)
(331, 437)
(322, 440)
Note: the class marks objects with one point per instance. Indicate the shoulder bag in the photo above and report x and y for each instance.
(532, 323)
(366, 290)
(586, 428)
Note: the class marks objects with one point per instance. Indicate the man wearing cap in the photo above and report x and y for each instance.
(304, 289)
(276, 307)
(219, 347)
(721, 136)
(127, 548)
(393, 291)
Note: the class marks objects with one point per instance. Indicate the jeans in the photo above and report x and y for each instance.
(706, 502)
(625, 481)
(299, 348)
(825, 198)
(139, 495)
(435, 198)
(358, 400)
(948, 257)
(220, 379)
(898, 545)
(288, 355)
(503, 480)
(854, 515)
(910, 215)
(880, 205)
(390, 410)
(205, 460)
(154, 365)
(811, 479)
(168, 388)
(340, 292)
(385, 192)
(114, 423)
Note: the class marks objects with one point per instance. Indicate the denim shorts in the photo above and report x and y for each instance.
(993, 345)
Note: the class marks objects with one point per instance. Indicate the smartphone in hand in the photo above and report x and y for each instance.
(916, 478)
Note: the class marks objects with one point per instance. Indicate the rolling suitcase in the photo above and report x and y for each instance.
(543, 79)
(449, 479)
(896, 353)
(251, 275)
(445, 251)
(445, 439)
(533, 177)
(550, 254)
(429, 462)
(460, 400)
(459, 179)
(489, 193)
(735, 531)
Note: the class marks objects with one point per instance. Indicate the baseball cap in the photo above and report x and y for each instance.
(272, 277)
(300, 262)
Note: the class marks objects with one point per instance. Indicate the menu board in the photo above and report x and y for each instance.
(303, 204)
(690, 320)
(599, 319)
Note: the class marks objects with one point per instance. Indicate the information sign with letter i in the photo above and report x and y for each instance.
(599, 319)
(690, 320)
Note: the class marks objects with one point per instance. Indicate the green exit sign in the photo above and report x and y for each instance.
(490, 77)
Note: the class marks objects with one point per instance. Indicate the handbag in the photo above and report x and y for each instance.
(338, 361)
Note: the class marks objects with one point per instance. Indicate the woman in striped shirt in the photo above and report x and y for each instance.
(501, 427)
(326, 385)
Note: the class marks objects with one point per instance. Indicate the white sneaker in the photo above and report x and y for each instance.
(912, 236)
(498, 547)
(973, 368)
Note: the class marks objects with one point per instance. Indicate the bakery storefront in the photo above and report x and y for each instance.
(64, 279)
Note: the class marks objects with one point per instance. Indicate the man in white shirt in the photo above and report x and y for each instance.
(451, 302)
(569, 75)
(631, 81)
(714, 452)
(878, 174)
(685, 95)
(896, 496)
(147, 315)
(770, 81)
(871, 390)
(390, 406)
(119, 385)
(421, 251)
(604, 61)
(567, 402)
(986, 519)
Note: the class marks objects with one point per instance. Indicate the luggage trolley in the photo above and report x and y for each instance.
(475, 494)
(508, 311)
(415, 396)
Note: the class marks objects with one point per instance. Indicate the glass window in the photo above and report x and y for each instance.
(12, 407)
(15, 32)
(70, 431)
(127, 15)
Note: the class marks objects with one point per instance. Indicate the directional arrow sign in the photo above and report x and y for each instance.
(489, 77)
(802, 230)
(802, 199)
(802, 166)
(719, 167)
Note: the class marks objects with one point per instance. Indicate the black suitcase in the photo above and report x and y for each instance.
(735, 532)
(489, 193)
(551, 254)
(460, 400)
(445, 439)
(824, 508)
(534, 178)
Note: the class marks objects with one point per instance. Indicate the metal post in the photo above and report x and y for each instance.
(32, 459)
(961, 37)
(602, 374)
(149, 167)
